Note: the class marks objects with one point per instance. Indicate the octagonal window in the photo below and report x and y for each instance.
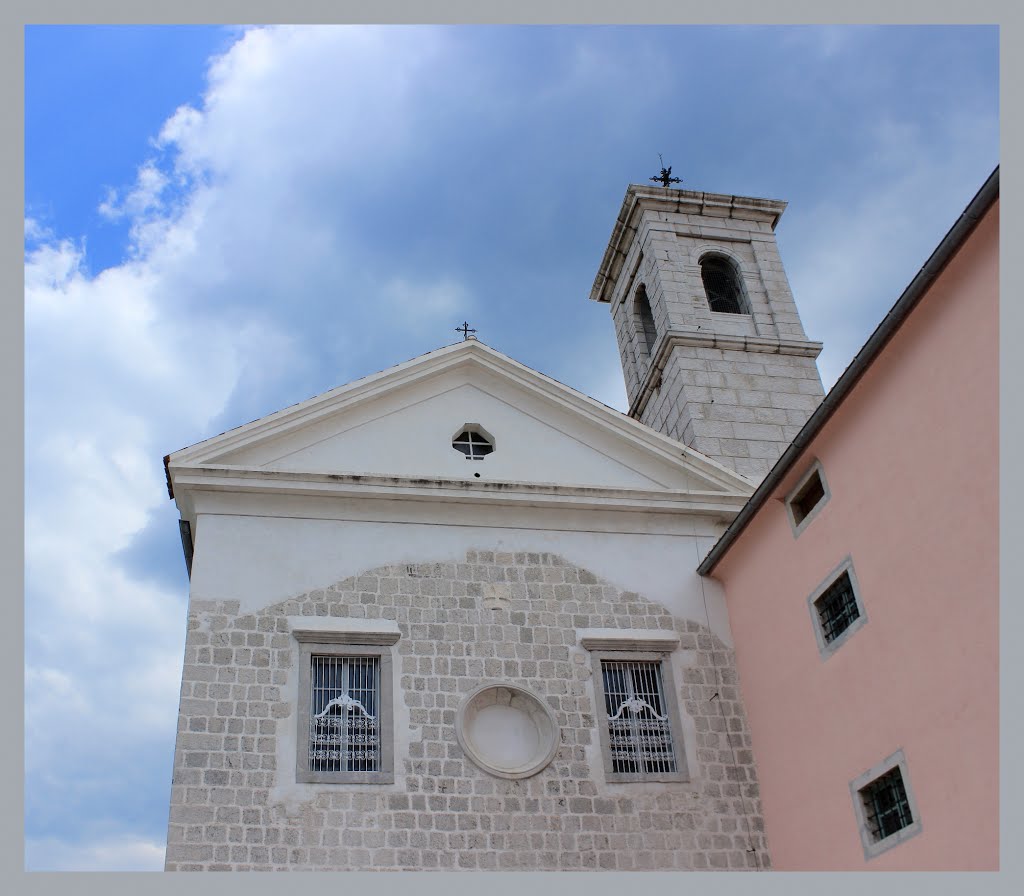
(473, 442)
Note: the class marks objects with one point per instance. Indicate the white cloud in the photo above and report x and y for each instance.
(113, 854)
(233, 235)
(144, 197)
(850, 257)
(425, 300)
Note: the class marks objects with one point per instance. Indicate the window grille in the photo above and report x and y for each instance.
(639, 730)
(837, 608)
(886, 806)
(344, 714)
(722, 285)
(472, 444)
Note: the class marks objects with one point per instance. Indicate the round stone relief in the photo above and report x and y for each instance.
(507, 730)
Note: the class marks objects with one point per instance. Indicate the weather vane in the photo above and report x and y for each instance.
(666, 177)
(465, 330)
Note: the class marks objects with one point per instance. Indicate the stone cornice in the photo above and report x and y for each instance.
(640, 197)
(475, 356)
(240, 480)
(334, 630)
(634, 640)
(678, 338)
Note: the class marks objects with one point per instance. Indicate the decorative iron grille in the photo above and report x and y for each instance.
(472, 444)
(886, 806)
(344, 714)
(837, 608)
(639, 730)
(721, 285)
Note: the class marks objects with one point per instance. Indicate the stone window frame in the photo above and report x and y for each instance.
(827, 648)
(640, 650)
(346, 644)
(647, 337)
(736, 269)
(814, 469)
(873, 847)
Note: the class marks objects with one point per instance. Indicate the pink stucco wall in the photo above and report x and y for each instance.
(911, 458)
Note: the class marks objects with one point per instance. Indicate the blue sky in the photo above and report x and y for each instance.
(221, 222)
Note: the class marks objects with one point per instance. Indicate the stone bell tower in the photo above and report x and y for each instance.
(712, 347)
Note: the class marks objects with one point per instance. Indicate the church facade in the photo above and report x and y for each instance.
(449, 616)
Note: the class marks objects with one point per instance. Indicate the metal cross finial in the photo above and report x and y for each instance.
(465, 330)
(666, 177)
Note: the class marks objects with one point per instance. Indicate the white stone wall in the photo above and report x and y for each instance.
(235, 804)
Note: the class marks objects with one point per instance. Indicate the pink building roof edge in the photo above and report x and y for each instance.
(951, 243)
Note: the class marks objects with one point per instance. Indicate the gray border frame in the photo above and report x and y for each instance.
(671, 699)
(386, 775)
(871, 846)
(798, 528)
(827, 648)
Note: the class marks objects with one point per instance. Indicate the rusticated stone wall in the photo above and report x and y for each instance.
(497, 616)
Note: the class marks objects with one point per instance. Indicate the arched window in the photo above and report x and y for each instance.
(645, 320)
(722, 285)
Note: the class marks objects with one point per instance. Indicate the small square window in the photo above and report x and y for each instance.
(807, 499)
(836, 608)
(344, 718)
(885, 806)
(638, 718)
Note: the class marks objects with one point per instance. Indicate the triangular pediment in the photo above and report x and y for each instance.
(401, 423)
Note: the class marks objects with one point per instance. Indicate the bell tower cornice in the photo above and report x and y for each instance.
(712, 348)
(642, 198)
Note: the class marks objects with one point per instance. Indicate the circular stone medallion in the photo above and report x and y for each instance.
(507, 730)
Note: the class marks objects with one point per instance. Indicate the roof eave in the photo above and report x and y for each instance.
(915, 291)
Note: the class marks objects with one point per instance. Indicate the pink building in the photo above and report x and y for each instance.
(862, 589)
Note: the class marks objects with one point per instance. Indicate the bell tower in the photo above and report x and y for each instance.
(712, 347)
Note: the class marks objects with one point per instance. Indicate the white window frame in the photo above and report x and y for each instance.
(827, 648)
(873, 847)
(814, 469)
(478, 430)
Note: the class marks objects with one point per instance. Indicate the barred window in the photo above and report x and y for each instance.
(344, 719)
(884, 805)
(722, 285)
(836, 609)
(344, 714)
(639, 722)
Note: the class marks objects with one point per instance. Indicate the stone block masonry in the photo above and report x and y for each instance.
(443, 812)
(732, 405)
(707, 372)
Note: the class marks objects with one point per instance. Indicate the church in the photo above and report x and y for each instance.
(459, 616)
